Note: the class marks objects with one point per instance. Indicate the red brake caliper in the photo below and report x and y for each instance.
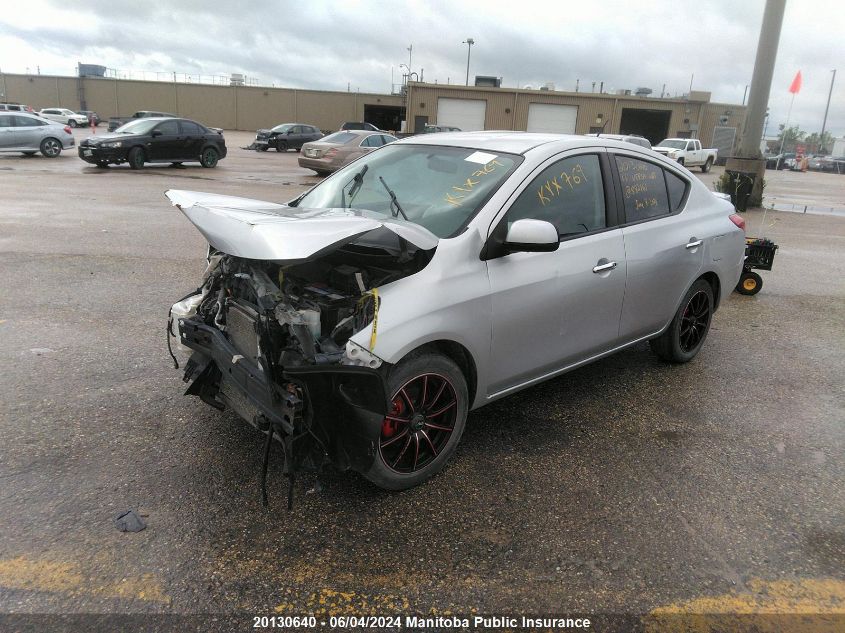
(389, 427)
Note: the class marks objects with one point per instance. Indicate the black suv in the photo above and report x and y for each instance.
(286, 136)
(155, 140)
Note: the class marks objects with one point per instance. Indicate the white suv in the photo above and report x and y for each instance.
(63, 115)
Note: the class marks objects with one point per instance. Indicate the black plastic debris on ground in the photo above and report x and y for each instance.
(129, 521)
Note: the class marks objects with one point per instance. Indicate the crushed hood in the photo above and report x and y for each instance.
(254, 229)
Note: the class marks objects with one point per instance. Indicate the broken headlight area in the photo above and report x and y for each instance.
(271, 342)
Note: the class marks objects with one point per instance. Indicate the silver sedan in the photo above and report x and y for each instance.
(29, 133)
(361, 322)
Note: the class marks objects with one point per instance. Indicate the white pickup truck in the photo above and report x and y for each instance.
(688, 152)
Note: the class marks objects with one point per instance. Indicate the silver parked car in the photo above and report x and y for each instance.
(29, 133)
(361, 322)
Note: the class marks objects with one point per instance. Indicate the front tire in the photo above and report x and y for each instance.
(72, 123)
(685, 335)
(51, 147)
(681, 162)
(136, 158)
(209, 158)
(426, 417)
(706, 166)
(282, 146)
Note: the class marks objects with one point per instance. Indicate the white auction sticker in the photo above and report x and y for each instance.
(482, 158)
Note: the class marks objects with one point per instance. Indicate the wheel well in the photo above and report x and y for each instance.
(462, 358)
(713, 279)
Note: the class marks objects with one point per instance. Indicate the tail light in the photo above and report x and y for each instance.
(67, 130)
(738, 220)
(331, 153)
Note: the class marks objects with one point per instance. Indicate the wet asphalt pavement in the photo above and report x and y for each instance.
(623, 487)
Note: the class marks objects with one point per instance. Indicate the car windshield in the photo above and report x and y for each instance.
(139, 126)
(673, 144)
(437, 187)
(284, 127)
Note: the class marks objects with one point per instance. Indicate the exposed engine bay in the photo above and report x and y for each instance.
(271, 341)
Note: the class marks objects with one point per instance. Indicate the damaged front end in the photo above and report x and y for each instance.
(271, 339)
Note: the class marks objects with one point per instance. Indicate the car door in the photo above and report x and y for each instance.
(166, 142)
(554, 309)
(8, 134)
(664, 245)
(28, 131)
(193, 138)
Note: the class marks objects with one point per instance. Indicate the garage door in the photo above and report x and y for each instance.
(547, 117)
(467, 114)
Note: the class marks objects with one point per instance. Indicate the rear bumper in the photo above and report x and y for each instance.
(318, 164)
(323, 413)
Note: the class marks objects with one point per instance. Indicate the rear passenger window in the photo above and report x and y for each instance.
(189, 127)
(569, 194)
(677, 188)
(25, 121)
(168, 127)
(643, 189)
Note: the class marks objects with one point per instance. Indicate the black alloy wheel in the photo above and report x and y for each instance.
(418, 425)
(209, 157)
(281, 146)
(426, 416)
(682, 340)
(695, 322)
(136, 158)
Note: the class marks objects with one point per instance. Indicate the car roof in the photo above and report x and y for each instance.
(506, 141)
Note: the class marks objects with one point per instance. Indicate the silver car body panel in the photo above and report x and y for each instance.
(254, 229)
(523, 317)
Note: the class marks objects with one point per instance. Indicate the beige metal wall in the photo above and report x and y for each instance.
(241, 108)
(507, 109)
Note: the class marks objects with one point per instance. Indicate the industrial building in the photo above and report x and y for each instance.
(483, 107)
(489, 108)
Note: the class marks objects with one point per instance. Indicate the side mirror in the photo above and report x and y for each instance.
(531, 236)
(155, 133)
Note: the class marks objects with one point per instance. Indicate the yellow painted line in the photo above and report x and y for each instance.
(814, 605)
(327, 602)
(62, 577)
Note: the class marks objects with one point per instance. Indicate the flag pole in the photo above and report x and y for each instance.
(785, 128)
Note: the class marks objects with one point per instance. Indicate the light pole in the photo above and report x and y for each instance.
(469, 42)
(824, 122)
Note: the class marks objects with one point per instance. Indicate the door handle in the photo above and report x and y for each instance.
(693, 243)
(603, 267)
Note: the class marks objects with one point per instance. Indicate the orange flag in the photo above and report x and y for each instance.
(796, 84)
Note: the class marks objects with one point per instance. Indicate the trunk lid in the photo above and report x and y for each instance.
(254, 229)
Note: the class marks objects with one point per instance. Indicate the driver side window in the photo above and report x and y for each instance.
(568, 193)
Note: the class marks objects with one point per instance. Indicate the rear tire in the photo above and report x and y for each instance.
(209, 157)
(706, 166)
(136, 158)
(426, 417)
(685, 335)
(51, 147)
(750, 283)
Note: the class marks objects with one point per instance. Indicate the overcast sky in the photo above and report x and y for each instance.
(329, 45)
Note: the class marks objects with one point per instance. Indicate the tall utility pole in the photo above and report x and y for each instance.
(469, 42)
(827, 107)
(761, 79)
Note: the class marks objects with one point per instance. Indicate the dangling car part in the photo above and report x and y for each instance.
(361, 322)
